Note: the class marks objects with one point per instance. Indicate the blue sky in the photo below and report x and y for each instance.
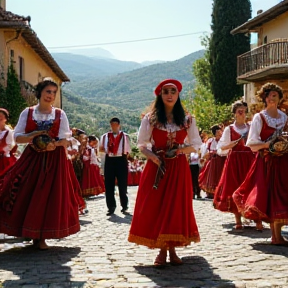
(60, 23)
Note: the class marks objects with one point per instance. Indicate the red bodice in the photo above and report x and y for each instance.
(241, 144)
(165, 140)
(32, 126)
(266, 131)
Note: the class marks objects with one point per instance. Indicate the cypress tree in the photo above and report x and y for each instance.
(15, 101)
(224, 47)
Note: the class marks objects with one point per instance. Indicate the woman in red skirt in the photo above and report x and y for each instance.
(264, 193)
(163, 216)
(7, 143)
(37, 196)
(92, 182)
(210, 174)
(238, 162)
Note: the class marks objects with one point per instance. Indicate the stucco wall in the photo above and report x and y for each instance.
(35, 69)
(277, 28)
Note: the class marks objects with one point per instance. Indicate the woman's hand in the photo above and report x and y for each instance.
(51, 146)
(179, 151)
(33, 134)
(155, 159)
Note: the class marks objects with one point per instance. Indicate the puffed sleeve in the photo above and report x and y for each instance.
(224, 141)
(21, 125)
(64, 130)
(145, 132)
(193, 136)
(255, 130)
(10, 138)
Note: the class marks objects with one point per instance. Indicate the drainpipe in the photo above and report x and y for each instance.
(18, 32)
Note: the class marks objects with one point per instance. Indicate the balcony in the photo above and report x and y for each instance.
(266, 62)
(27, 91)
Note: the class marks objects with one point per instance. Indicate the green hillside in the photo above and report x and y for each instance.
(134, 89)
(92, 102)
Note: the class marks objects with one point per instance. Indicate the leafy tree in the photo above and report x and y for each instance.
(15, 101)
(205, 109)
(224, 47)
(201, 66)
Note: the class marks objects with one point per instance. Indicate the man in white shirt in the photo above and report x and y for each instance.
(194, 168)
(116, 145)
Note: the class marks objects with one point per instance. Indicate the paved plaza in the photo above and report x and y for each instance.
(100, 255)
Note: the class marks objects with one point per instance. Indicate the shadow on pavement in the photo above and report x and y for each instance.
(117, 219)
(30, 266)
(195, 272)
(267, 248)
(247, 231)
(84, 222)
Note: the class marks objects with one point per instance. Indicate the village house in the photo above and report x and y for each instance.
(267, 61)
(20, 45)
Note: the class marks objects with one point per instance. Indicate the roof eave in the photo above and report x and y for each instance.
(264, 17)
(31, 38)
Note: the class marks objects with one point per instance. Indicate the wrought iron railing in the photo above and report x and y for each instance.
(267, 55)
(28, 92)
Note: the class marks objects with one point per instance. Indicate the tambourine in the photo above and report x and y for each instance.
(41, 142)
(279, 146)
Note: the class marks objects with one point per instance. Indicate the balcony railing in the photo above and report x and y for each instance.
(268, 55)
(27, 91)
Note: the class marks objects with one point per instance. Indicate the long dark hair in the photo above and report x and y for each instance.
(158, 115)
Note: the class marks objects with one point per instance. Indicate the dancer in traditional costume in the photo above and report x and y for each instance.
(116, 145)
(238, 163)
(264, 193)
(92, 181)
(7, 143)
(210, 174)
(163, 216)
(37, 197)
(72, 150)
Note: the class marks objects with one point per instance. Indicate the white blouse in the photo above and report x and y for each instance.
(104, 144)
(64, 130)
(93, 158)
(145, 133)
(257, 124)
(9, 140)
(226, 138)
(213, 146)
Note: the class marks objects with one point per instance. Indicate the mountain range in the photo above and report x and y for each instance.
(101, 88)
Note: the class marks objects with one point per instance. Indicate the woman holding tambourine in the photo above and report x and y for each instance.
(37, 198)
(264, 193)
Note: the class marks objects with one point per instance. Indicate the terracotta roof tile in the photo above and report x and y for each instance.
(13, 21)
(11, 17)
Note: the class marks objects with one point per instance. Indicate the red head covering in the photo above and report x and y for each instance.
(165, 82)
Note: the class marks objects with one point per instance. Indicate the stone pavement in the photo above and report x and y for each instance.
(100, 256)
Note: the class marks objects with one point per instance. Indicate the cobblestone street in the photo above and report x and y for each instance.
(100, 256)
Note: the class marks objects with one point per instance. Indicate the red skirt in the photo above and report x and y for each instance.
(164, 217)
(235, 170)
(6, 163)
(210, 174)
(264, 193)
(92, 182)
(38, 197)
(78, 191)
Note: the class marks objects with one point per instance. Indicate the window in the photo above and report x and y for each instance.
(11, 56)
(21, 68)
